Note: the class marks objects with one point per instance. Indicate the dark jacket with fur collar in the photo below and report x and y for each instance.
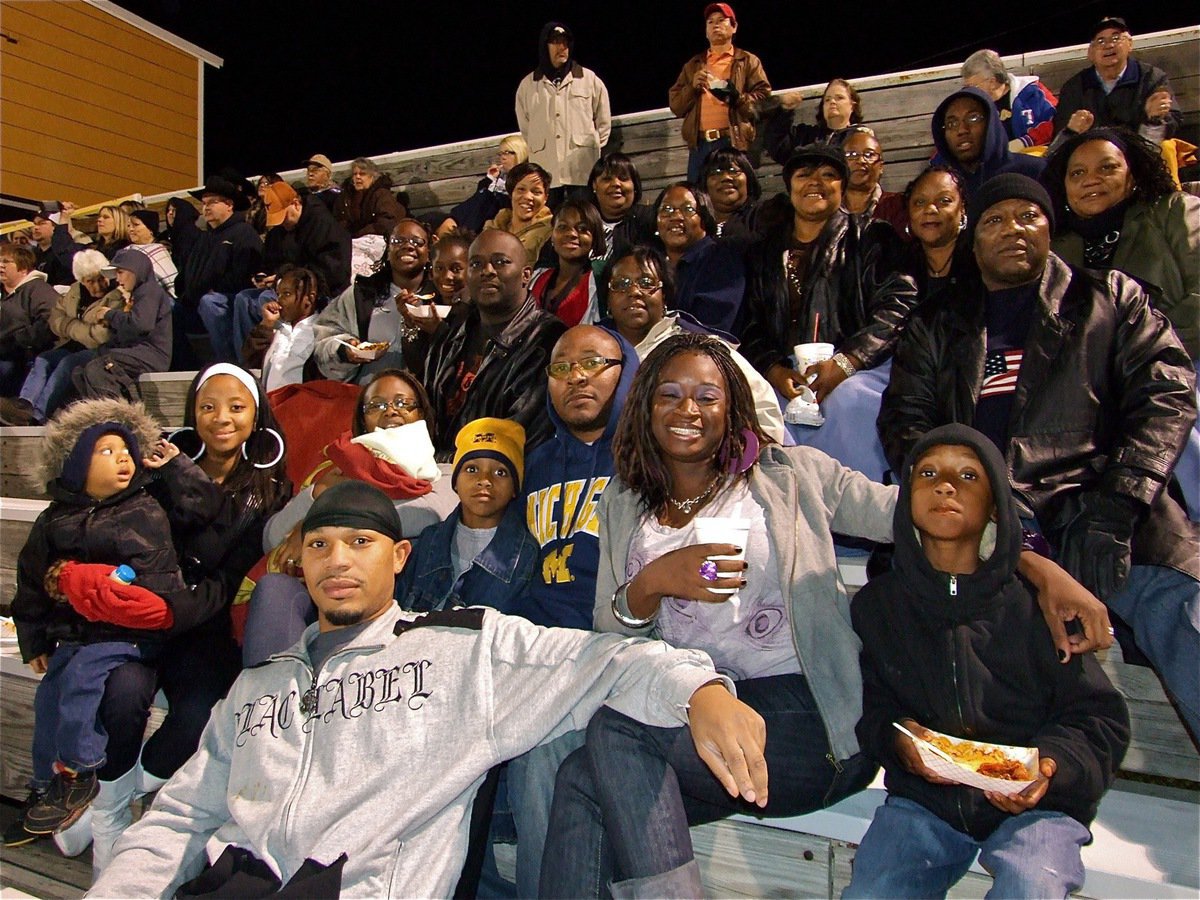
(971, 656)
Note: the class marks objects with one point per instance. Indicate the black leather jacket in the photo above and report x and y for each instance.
(510, 382)
(855, 281)
(1105, 400)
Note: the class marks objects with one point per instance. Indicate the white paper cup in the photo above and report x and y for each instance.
(811, 354)
(723, 530)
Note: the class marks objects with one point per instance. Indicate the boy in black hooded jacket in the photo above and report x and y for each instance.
(953, 641)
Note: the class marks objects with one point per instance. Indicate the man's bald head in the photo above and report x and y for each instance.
(497, 275)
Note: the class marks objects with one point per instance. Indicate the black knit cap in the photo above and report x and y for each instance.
(1009, 186)
(75, 468)
(819, 154)
(354, 504)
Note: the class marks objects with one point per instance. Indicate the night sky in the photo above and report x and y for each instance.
(369, 77)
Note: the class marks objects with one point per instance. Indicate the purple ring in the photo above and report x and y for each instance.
(708, 570)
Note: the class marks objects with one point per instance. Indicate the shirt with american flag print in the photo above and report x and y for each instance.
(1000, 372)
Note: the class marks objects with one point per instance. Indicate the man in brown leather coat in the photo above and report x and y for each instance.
(717, 90)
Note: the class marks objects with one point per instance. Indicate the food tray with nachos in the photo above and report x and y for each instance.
(989, 767)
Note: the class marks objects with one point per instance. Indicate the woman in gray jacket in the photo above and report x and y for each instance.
(763, 598)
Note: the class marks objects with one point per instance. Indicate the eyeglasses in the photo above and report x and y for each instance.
(399, 404)
(507, 153)
(1113, 41)
(666, 210)
(952, 123)
(591, 365)
(647, 284)
(867, 156)
(405, 241)
(727, 169)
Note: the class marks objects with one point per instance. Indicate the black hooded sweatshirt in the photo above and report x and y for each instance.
(971, 656)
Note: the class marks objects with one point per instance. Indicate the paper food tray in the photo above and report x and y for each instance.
(960, 774)
(8, 631)
(422, 312)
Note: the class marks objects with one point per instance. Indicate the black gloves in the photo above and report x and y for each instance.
(1095, 544)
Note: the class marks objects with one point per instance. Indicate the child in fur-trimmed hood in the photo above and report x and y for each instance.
(75, 624)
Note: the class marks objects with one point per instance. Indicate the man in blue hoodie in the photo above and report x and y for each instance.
(970, 137)
(589, 375)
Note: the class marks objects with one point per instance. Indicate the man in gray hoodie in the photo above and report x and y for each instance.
(349, 763)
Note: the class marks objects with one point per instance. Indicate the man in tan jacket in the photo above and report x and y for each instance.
(717, 91)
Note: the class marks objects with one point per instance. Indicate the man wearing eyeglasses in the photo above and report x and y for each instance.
(491, 361)
(970, 137)
(1117, 90)
(588, 377)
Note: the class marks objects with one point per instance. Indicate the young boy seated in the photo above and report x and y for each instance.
(74, 623)
(281, 344)
(482, 554)
(953, 641)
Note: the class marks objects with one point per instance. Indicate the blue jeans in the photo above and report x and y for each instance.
(849, 434)
(280, 610)
(699, 153)
(66, 726)
(910, 852)
(530, 795)
(623, 804)
(216, 312)
(247, 312)
(1187, 467)
(1162, 606)
(49, 378)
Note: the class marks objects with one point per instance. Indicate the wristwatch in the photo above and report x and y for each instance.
(620, 603)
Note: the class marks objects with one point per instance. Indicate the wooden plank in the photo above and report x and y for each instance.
(106, 138)
(165, 396)
(59, 92)
(46, 44)
(18, 458)
(153, 168)
(89, 21)
(741, 859)
(16, 739)
(1159, 743)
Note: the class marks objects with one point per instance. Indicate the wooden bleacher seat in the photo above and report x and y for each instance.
(19, 448)
(164, 394)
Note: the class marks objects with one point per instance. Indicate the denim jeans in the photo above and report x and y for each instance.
(216, 312)
(1163, 608)
(49, 378)
(530, 795)
(280, 610)
(910, 852)
(247, 312)
(623, 804)
(849, 434)
(1187, 467)
(66, 726)
(699, 153)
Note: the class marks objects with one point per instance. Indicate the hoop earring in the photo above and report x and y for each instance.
(907, 230)
(278, 456)
(171, 439)
(962, 223)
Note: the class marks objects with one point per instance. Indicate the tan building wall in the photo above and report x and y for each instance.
(93, 106)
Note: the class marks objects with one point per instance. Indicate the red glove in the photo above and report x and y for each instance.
(98, 598)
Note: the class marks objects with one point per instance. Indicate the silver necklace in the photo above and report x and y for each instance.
(686, 506)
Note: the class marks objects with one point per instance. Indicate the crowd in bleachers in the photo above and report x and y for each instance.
(557, 390)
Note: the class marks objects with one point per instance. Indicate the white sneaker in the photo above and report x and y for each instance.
(76, 837)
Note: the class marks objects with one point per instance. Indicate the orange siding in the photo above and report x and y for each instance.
(92, 107)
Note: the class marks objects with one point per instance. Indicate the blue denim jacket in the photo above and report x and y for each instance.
(496, 578)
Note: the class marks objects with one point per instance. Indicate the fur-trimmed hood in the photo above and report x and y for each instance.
(65, 428)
